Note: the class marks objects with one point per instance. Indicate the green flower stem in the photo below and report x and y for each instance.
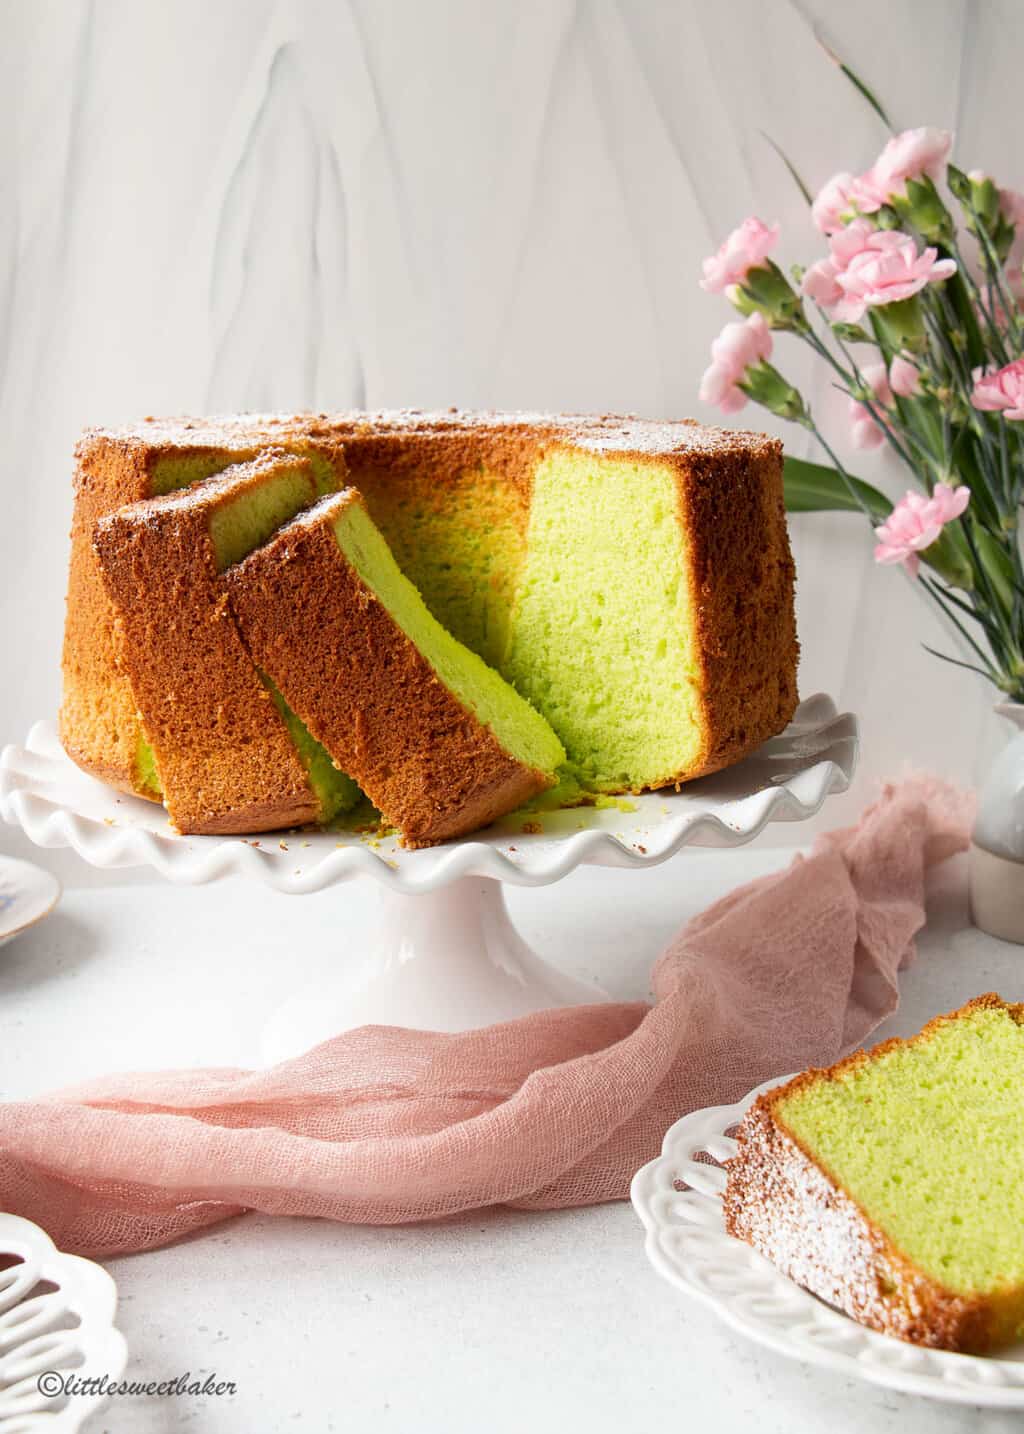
(959, 290)
(808, 422)
(1004, 466)
(994, 274)
(849, 380)
(945, 601)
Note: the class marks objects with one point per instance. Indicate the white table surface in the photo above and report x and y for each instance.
(496, 1321)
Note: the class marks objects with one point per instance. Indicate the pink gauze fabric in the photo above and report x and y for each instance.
(382, 1125)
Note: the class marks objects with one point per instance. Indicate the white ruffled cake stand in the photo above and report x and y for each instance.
(445, 955)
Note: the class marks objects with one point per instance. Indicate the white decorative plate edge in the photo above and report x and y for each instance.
(28, 894)
(44, 794)
(687, 1244)
(34, 1341)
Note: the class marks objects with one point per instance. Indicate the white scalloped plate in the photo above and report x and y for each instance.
(56, 1319)
(687, 1244)
(787, 779)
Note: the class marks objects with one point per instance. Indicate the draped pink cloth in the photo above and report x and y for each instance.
(382, 1125)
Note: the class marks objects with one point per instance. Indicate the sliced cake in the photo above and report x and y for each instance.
(99, 725)
(218, 741)
(632, 579)
(434, 737)
(892, 1184)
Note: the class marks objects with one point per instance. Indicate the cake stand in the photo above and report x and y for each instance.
(444, 954)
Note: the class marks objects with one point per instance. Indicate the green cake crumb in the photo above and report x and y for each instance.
(927, 1138)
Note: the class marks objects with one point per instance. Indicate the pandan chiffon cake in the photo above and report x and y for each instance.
(436, 738)
(632, 580)
(219, 743)
(892, 1184)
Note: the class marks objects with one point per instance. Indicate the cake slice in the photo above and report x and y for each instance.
(224, 749)
(437, 740)
(892, 1184)
(652, 620)
(99, 725)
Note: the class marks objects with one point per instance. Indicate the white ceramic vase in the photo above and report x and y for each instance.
(997, 842)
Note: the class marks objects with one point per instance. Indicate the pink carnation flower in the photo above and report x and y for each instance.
(737, 348)
(916, 523)
(746, 248)
(869, 267)
(864, 431)
(833, 201)
(845, 196)
(867, 193)
(904, 376)
(1002, 391)
(910, 155)
(887, 270)
(819, 284)
(821, 281)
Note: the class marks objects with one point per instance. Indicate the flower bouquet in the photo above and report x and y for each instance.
(918, 311)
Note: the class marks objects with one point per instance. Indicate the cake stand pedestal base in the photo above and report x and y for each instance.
(443, 955)
(443, 960)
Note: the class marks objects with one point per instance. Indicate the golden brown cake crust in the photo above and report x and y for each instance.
(97, 719)
(787, 1206)
(742, 590)
(365, 691)
(226, 761)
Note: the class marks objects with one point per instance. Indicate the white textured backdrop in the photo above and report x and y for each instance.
(225, 204)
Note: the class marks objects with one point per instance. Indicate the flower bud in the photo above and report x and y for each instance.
(766, 386)
(983, 208)
(919, 204)
(901, 325)
(1001, 235)
(959, 184)
(947, 559)
(766, 290)
(984, 198)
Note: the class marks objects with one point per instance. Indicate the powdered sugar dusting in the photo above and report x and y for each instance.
(212, 492)
(600, 433)
(784, 1205)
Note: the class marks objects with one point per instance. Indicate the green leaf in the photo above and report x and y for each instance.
(793, 171)
(857, 83)
(813, 488)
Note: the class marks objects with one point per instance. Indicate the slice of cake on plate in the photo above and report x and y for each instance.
(892, 1184)
(436, 738)
(227, 754)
